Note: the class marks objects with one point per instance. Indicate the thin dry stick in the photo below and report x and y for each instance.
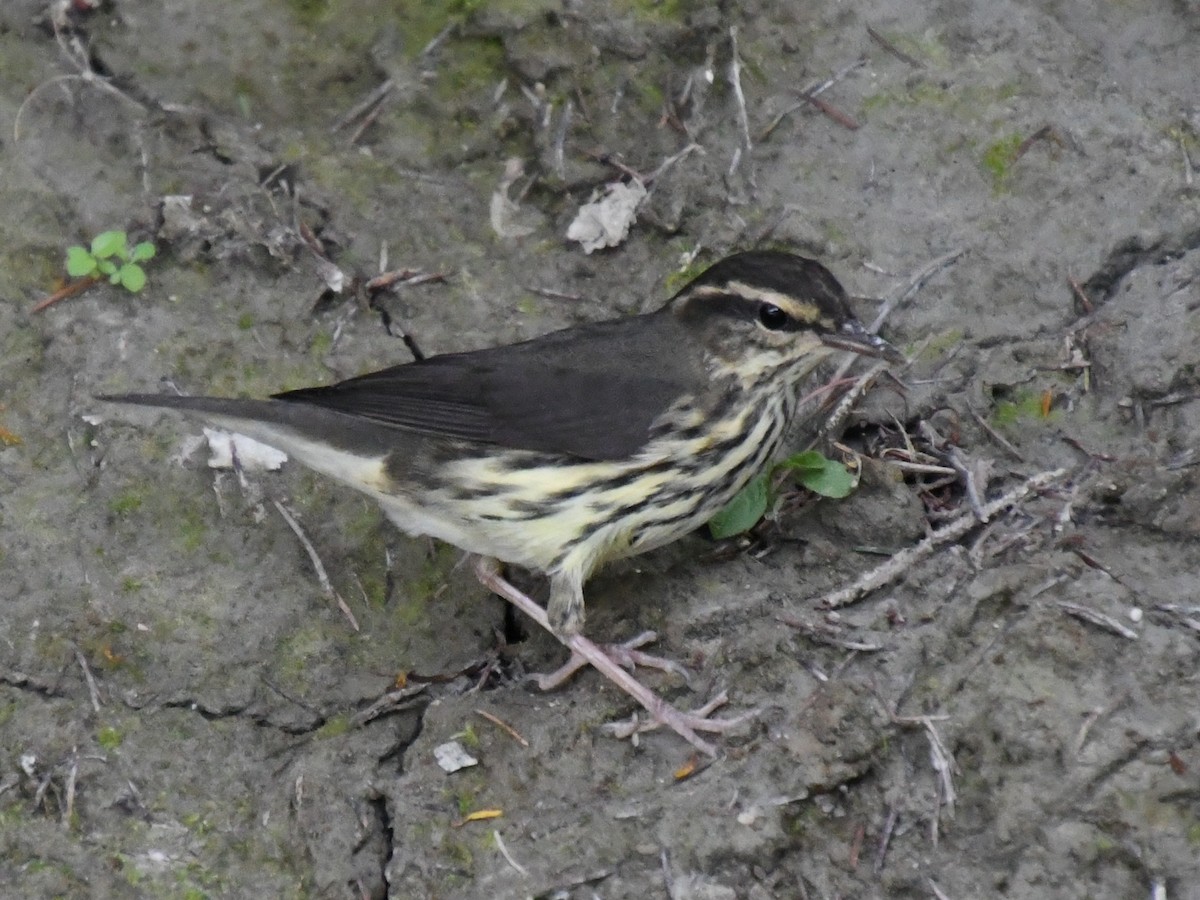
(893, 49)
(903, 561)
(955, 458)
(74, 51)
(919, 468)
(500, 723)
(995, 435)
(93, 690)
(671, 160)
(69, 290)
(809, 94)
(1092, 718)
(72, 778)
(885, 838)
(915, 283)
(844, 119)
(560, 139)
(1099, 619)
(366, 105)
(508, 856)
(322, 576)
(392, 701)
(735, 79)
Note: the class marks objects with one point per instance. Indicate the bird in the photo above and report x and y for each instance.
(585, 445)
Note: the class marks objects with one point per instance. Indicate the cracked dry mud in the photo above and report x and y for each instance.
(230, 743)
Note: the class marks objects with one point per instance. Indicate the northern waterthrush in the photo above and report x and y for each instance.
(589, 444)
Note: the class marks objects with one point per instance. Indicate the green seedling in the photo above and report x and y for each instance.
(109, 257)
(814, 471)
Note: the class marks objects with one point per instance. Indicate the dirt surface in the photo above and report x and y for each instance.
(184, 712)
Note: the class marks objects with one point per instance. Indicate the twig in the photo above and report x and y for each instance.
(508, 856)
(1092, 718)
(72, 48)
(995, 435)
(670, 161)
(70, 290)
(918, 468)
(668, 876)
(322, 576)
(560, 139)
(1099, 619)
(953, 456)
(844, 119)
(93, 690)
(903, 561)
(437, 40)
(893, 49)
(915, 284)
(72, 778)
(943, 764)
(410, 277)
(497, 721)
(392, 701)
(735, 79)
(553, 295)
(366, 105)
(367, 121)
(809, 94)
(885, 838)
(1085, 302)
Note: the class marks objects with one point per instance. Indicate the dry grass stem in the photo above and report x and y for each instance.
(508, 857)
(903, 561)
(893, 49)
(500, 723)
(93, 689)
(1099, 619)
(318, 566)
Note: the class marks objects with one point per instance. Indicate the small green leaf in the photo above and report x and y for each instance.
(743, 512)
(108, 243)
(133, 278)
(106, 267)
(820, 475)
(142, 252)
(80, 263)
(810, 460)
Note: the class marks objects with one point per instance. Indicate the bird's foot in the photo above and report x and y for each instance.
(697, 720)
(627, 655)
(686, 725)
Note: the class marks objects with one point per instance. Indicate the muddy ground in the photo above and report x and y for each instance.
(184, 712)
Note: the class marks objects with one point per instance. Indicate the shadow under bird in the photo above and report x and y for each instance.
(589, 444)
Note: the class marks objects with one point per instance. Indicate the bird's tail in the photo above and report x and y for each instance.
(346, 447)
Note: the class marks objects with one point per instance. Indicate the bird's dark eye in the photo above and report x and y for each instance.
(772, 316)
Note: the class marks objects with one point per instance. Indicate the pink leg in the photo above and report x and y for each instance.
(684, 724)
(626, 654)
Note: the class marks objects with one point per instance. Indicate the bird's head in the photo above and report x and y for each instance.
(764, 312)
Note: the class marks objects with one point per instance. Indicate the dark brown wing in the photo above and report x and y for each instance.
(591, 391)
